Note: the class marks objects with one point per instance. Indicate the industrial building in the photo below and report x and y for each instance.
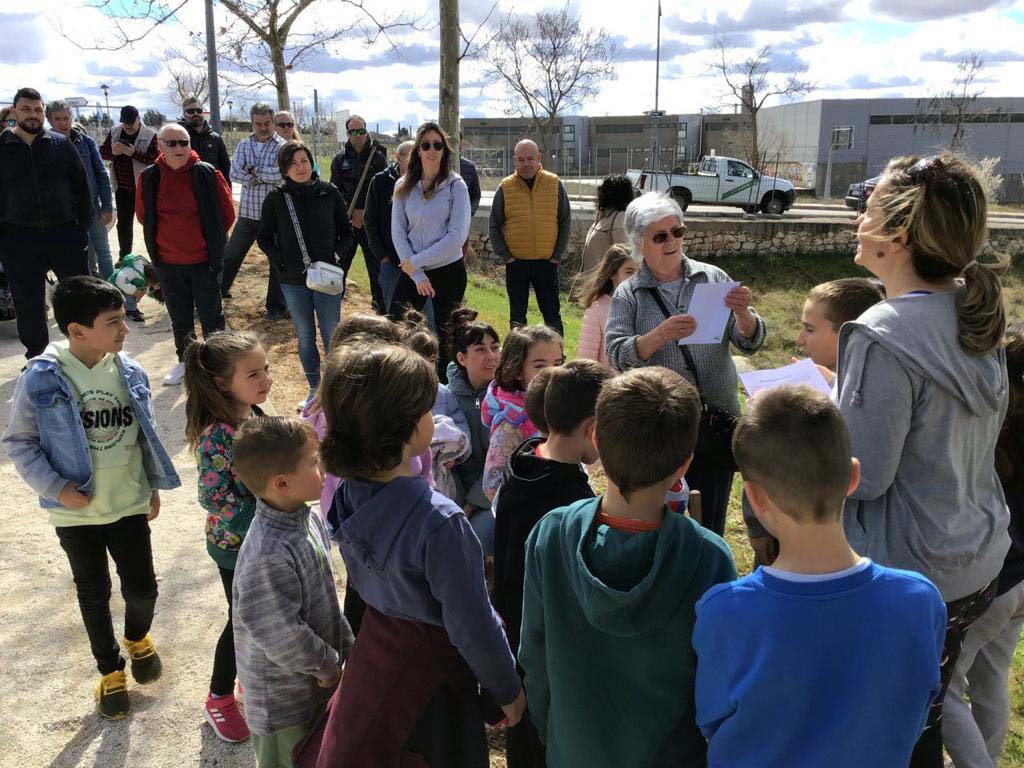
(795, 140)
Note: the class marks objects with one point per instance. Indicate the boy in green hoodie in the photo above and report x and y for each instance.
(611, 587)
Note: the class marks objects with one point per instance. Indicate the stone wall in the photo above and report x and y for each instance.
(716, 237)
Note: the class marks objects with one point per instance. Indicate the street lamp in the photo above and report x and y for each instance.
(230, 104)
(106, 94)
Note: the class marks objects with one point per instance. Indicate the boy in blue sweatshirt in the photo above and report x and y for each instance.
(83, 436)
(823, 658)
(611, 586)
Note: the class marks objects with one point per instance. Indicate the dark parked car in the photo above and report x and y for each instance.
(857, 195)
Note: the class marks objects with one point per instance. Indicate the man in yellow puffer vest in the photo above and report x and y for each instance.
(529, 228)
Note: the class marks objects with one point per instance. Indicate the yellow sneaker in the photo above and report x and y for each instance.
(146, 664)
(112, 696)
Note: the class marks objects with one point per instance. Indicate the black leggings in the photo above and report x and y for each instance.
(449, 284)
(222, 681)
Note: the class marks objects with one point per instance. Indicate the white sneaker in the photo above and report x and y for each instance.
(174, 378)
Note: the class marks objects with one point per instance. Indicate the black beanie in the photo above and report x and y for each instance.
(129, 114)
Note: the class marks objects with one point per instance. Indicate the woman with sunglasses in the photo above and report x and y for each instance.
(923, 386)
(429, 223)
(649, 316)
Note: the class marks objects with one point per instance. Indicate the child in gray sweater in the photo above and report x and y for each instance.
(290, 635)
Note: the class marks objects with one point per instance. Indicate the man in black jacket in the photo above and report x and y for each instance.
(205, 141)
(377, 221)
(45, 212)
(346, 171)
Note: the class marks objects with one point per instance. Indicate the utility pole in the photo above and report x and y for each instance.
(448, 96)
(211, 68)
(316, 123)
(655, 158)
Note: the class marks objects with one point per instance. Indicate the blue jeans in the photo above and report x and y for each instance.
(482, 523)
(388, 280)
(100, 259)
(304, 304)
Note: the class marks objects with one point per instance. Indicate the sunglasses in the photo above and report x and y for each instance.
(11, 122)
(175, 142)
(194, 111)
(356, 131)
(285, 125)
(917, 171)
(659, 238)
(437, 145)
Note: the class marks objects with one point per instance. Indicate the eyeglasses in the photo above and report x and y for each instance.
(356, 131)
(659, 238)
(194, 111)
(285, 125)
(11, 122)
(175, 142)
(437, 145)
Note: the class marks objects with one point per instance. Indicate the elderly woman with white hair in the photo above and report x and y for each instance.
(649, 317)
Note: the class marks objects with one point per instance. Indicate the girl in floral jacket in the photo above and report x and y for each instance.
(226, 379)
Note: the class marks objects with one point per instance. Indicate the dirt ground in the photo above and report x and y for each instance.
(46, 694)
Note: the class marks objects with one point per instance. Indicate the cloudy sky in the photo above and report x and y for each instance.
(850, 48)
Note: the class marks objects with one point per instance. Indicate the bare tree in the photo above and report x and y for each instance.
(751, 83)
(550, 63)
(954, 104)
(186, 81)
(264, 40)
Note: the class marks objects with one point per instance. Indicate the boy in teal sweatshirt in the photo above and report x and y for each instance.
(611, 588)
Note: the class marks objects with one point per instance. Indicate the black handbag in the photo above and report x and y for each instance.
(714, 438)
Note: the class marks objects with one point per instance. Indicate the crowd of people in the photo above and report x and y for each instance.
(454, 469)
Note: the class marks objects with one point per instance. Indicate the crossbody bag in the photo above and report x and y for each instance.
(321, 276)
(714, 438)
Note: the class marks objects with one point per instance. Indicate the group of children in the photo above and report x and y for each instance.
(486, 581)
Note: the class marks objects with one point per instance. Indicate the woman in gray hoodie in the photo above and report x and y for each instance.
(922, 383)
(429, 223)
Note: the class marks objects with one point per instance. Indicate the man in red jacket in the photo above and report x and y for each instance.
(186, 209)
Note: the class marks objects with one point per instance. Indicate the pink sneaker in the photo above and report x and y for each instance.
(223, 716)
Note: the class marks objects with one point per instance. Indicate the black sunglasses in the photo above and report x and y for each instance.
(285, 125)
(175, 142)
(659, 238)
(437, 145)
(194, 111)
(356, 131)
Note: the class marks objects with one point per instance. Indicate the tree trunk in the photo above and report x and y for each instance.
(755, 156)
(448, 97)
(280, 74)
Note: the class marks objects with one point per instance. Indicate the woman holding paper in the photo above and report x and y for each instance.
(650, 322)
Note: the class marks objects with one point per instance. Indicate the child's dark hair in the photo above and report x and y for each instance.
(846, 299)
(267, 446)
(793, 442)
(509, 374)
(600, 283)
(373, 398)
(81, 300)
(366, 325)
(153, 279)
(467, 331)
(647, 422)
(533, 400)
(419, 336)
(205, 362)
(567, 394)
(1010, 447)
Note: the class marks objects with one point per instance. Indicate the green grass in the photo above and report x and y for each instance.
(780, 285)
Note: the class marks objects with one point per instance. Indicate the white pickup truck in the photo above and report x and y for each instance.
(721, 181)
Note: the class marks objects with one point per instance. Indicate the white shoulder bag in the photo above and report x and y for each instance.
(320, 275)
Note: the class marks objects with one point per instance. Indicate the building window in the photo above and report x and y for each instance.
(681, 132)
(569, 130)
(620, 129)
(881, 120)
(1017, 117)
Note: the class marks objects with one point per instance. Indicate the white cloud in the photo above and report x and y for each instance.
(850, 49)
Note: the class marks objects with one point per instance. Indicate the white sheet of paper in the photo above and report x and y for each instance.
(802, 372)
(707, 307)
